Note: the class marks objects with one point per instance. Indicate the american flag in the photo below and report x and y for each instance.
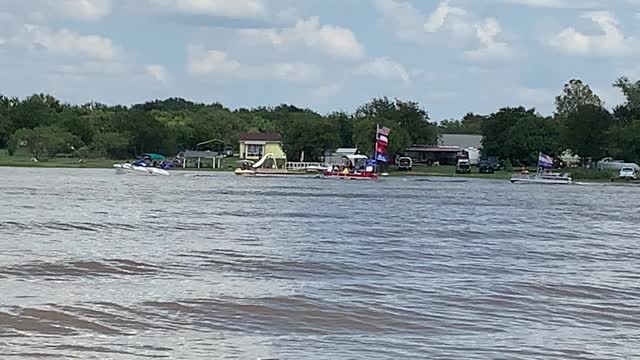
(383, 130)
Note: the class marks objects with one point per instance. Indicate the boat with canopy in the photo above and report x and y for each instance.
(360, 167)
(543, 175)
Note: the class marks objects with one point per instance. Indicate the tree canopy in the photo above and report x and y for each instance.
(45, 126)
(574, 95)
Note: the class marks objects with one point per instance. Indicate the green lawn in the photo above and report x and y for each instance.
(23, 159)
(446, 170)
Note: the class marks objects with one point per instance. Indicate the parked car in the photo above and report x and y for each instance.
(628, 173)
(488, 165)
(405, 164)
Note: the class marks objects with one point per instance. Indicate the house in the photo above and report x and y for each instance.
(429, 154)
(335, 157)
(253, 146)
(472, 144)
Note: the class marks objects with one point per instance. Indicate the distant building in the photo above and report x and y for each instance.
(472, 144)
(199, 159)
(335, 157)
(429, 154)
(254, 146)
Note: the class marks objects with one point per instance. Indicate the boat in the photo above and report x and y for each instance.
(360, 167)
(543, 175)
(127, 168)
(355, 167)
(267, 166)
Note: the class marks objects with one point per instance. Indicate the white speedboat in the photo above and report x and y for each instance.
(542, 178)
(543, 175)
(139, 170)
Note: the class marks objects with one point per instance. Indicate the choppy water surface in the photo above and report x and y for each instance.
(99, 266)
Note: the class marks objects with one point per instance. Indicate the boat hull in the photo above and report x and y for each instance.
(124, 169)
(357, 176)
(523, 179)
(269, 173)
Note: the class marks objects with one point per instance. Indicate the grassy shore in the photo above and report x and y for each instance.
(23, 159)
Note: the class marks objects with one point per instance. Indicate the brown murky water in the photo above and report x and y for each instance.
(99, 266)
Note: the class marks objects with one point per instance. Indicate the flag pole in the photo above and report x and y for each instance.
(375, 147)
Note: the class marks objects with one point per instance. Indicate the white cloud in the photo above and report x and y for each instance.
(491, 49)
(403, 18)
(157, 72)
(295, 71)
(88, 10)
(557, 4)
(210, 62)
(384, 69)
(409, 24)
(67, 43)
(612, 41)
(453, 24)
(225, 8)
(332, 40)
(438, 18)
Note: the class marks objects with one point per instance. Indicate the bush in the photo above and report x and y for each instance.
(590, 174)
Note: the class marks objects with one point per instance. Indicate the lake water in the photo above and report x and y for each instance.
(95, 265)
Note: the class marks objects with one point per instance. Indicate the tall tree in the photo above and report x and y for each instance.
(586, 131)
(624, 141)
(344, 123)
(408, 122)
(631, 92)
(575, 94)
(518, 134)
(470, 124)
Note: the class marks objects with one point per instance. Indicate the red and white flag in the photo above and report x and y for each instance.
(383, 130)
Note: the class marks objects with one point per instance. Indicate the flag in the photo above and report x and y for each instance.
(382, 142)
(381, 147)
(383, 130)
(545, 161)
(382, 157)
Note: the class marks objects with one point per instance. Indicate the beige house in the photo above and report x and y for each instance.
(253, 146)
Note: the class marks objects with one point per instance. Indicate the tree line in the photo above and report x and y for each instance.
(46, 127)
(581, 125)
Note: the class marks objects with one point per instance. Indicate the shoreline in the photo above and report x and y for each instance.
(108, 164)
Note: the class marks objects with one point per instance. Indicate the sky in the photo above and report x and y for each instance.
(452, 57)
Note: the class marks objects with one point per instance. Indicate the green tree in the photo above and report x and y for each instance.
(310, 133)
(470, 124)
(5, 130)
(409, 124)
(34, 111)
(631, 92)
(111, 145)
(81, 126)
(344, 123)
(44, 141)
(574, 95)
(586, 131)
(518, 135)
